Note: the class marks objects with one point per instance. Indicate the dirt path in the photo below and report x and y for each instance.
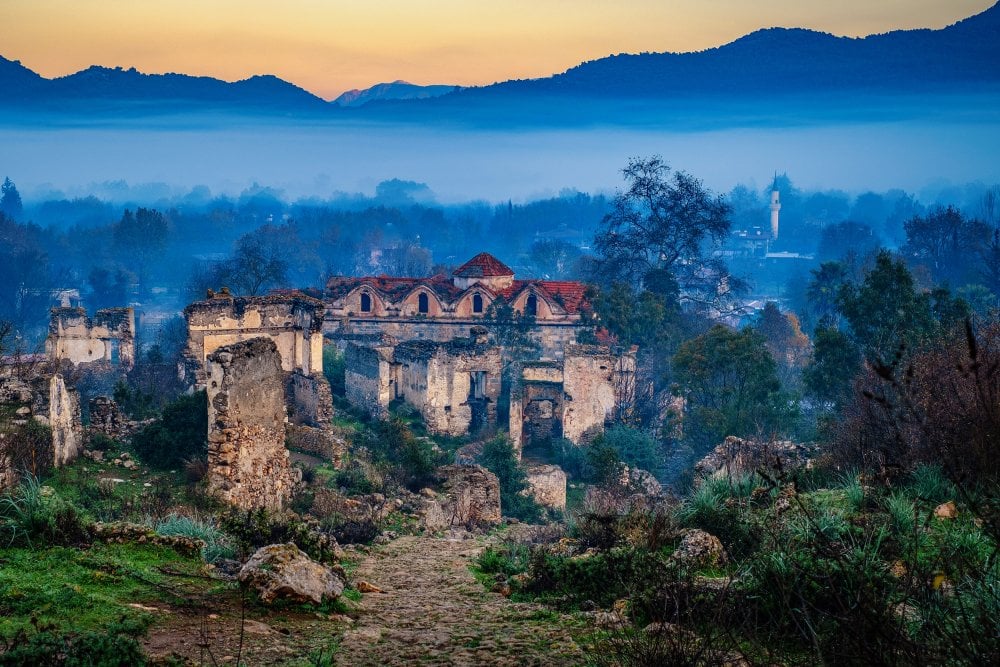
(432, 611)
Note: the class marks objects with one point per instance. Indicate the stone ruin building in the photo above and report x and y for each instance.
(108, 339)
(573, 398)
(292, 321)
(248, 464)
(442, 309)
(228, 337)
(455, 385)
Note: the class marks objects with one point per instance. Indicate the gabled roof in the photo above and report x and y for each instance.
(570, 295)
(483, 265)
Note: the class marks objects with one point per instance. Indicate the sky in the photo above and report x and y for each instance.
(329, 46)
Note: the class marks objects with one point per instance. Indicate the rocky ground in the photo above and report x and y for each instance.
(432, 611)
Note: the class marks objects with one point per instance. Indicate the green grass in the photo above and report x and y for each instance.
(90, 589)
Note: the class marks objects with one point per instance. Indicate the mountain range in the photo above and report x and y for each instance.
(775, 62)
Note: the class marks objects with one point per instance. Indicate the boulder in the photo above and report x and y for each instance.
(700, 550)
(547, 485)
(470, 497)
(285, 571)
(737, 457)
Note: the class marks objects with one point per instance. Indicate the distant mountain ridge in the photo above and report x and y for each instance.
(771, 62)
(397, 90)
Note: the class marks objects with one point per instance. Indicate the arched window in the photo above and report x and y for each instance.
(366, 303)
(423, 305)
(531, 306)
(477, 303)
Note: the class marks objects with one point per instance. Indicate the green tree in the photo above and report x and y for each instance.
(663, 220)
(886, 312)
(824, 291)
(499, 458)
(10, 200)
(730, 384)
(141, 237)
(831, 370)
(945, 241)
(180, 434)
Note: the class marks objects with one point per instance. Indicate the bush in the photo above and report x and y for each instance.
(351, 531)
(28, 448)
(353, 480)
(253, 529)
(635, 448)
(508, 559)
(411, 460)
(35, 516)
(177, 436)
(499, 458)
(334, 369)
(118, 646)
(217, 544)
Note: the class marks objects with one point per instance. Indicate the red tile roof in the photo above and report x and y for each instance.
(483, 265)
(568, 294)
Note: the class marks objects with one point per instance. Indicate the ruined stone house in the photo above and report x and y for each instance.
(106, 340)
(292, 321)
(442, 308)
(455, 385)
(573, 398)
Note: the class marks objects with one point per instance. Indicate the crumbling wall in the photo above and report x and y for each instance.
(107, 339)
(310, 400)
(455, 385)
(368, 379)
(248, 465)
(589, 386)
(293, 322)
(547, 485)
(470, 498)
(46, 399)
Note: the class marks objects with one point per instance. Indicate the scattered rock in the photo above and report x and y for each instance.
(737, 456)
(946, 510)
(547, 485)
(366, 587)
(285, 571)
(700, 550)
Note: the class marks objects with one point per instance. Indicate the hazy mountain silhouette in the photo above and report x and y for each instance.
(961, 58)
(397, 90)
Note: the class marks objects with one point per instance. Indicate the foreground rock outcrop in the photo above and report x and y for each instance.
(283, 571)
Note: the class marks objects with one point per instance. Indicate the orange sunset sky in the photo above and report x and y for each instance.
(328, 46)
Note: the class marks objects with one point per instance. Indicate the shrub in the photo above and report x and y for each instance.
(118, 646)
(334, 369)
(217, 544)
(411, 460)
(28, 448)
(178, 435)
(351, 531)
(253, 529)
(507, 558)
(102, 442)
(353, 480)
(499, 458)
(35, 516)
(635, 448)
(930, 485)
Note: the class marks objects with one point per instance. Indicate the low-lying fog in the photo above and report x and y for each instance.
(318, 159)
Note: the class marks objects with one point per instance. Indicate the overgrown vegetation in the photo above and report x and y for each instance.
(178, 435)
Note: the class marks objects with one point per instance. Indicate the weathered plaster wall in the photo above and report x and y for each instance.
(553, 337)
(368, 379)
(247, 460)
(75, 337)
(589, 386)
(292, 322)
(310, 400)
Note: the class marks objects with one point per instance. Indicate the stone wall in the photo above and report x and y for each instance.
(325, 443)
(455, 385)
(248, 465)
(573, 398)
(46, 399)
(293, 322)
(589, 386)
(368, 379)
(310, 400)
(547, 485)
(107, 339)
(470, 498)
(552, 337)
